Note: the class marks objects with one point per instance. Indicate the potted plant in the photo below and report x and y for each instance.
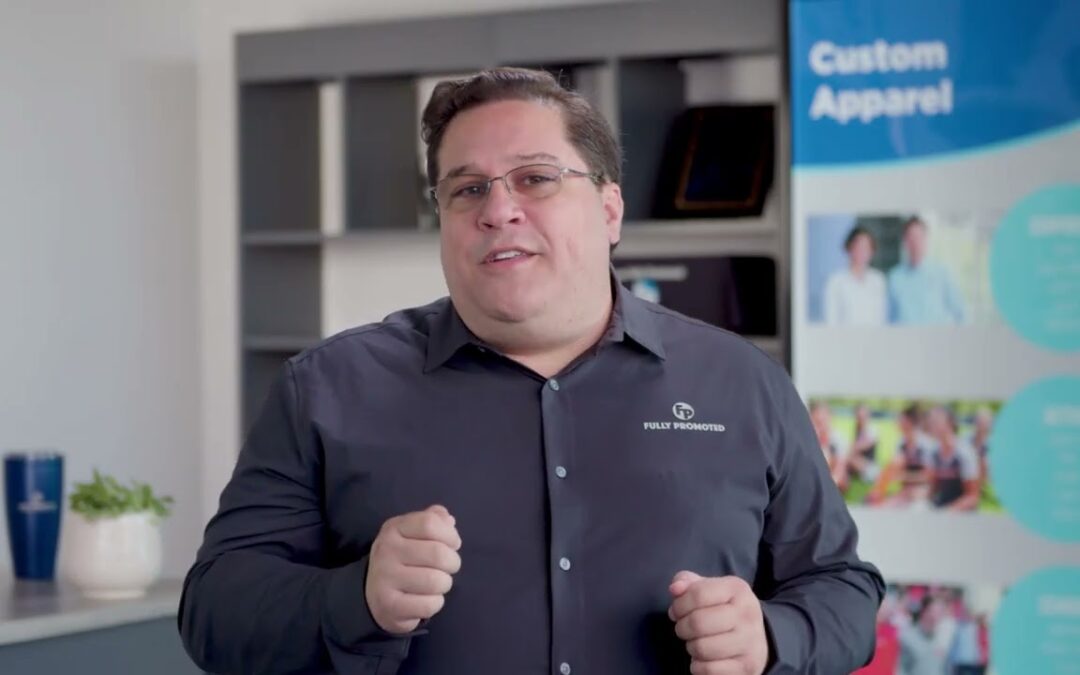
(114, 537)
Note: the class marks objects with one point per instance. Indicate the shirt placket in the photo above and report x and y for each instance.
(565, 525)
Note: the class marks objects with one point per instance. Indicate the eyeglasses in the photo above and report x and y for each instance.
(465, 192)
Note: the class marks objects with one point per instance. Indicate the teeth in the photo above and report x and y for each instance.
(506, 255)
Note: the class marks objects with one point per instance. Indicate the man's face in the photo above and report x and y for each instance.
(915, 243)
(565, 239)
(905, 425)
(938, 423)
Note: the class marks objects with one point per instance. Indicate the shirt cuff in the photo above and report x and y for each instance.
(347, 620)
(788, 633)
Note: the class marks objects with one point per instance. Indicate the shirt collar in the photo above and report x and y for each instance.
(630, 318)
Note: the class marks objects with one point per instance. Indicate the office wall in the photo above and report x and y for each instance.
(218, 23)
(98, 301)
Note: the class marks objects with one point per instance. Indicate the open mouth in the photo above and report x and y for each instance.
(507, 257)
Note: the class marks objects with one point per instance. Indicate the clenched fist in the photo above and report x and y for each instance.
(410, 568)
(720, 620)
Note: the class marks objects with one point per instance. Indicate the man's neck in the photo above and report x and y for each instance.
(548, 359)
(541, 346)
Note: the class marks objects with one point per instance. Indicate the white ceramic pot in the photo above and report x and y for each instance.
(113, 558)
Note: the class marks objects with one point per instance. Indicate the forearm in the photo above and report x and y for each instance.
(247, 611)
(968, 502)
(824, 623)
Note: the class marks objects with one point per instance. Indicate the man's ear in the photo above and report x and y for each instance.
(611, 196)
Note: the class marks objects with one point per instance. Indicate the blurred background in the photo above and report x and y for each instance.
(884, 196)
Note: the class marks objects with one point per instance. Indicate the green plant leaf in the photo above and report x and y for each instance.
(104, 496)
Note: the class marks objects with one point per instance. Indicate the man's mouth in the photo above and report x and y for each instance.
(505, 255)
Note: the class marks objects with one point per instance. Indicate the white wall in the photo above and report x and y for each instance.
(218, 23)
(98, 297)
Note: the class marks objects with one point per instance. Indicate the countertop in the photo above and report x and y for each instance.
(33, 610)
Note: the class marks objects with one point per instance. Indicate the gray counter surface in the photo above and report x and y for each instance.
(37, 610)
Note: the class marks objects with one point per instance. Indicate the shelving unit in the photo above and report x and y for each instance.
(330, 143)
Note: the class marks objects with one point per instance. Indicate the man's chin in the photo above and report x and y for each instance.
(511, 313)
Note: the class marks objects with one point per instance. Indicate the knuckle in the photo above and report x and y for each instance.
(693, 647)
(429, 522)
(432, 606)
(697, 594)
(695, 623)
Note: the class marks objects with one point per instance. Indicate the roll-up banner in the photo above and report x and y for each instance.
(936, 314)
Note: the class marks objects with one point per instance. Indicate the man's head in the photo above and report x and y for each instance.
(908, 420)
(526, 256)
(984, 419)
(860, 246)
(820, 415)
(915, 241)
(862, 413)
(942, 422)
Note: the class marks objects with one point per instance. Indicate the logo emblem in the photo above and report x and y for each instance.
(683, 411)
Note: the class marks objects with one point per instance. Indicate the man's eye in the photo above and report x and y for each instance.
(469, 190)
(537, 179)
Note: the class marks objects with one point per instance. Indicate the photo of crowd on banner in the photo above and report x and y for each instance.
(908, 454)
(933, 630)
(922, 269)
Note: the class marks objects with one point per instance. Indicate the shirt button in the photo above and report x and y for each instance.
(560, 471)
(564, 563)
(554, 384)
(564, 668)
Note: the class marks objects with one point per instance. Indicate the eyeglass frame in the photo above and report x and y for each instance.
(595, 176)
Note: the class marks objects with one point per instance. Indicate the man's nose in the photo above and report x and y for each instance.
(500, 206)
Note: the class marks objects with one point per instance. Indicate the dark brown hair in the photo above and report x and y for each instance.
(855, 232)
(586, 129)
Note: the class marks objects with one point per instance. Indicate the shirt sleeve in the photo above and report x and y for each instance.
(819, 599)
(261, 596)
(832, 301)
(969, 461)
(954, 298)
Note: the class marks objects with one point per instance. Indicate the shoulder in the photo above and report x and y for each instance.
(402, 335)
(690, 343)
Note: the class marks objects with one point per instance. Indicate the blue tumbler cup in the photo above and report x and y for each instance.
(33, 495)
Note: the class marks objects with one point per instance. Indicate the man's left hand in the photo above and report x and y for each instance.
(721, 622)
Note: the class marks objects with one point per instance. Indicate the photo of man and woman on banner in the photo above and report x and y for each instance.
(918, 269)
(909, 454)
(933, 630)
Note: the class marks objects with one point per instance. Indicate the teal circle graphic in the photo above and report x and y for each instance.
(1035, 267)
(1035, 457)
(1037, 627)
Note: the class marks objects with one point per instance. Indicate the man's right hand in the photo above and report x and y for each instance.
(410, 568)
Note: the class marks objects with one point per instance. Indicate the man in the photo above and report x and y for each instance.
(910, 465)
(980, 442)
(862, 461)
(832, 448)
(954, 466)
(921, 291)
(541, 474)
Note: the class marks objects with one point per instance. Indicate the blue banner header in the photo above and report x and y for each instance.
(891, 79)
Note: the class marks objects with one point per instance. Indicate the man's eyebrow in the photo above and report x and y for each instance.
(537, 155)
(469, 168)
(459, 170)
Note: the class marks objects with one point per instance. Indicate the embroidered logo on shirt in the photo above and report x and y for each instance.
(683, 412)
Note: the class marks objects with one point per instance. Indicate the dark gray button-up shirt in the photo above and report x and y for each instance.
(671, 445)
